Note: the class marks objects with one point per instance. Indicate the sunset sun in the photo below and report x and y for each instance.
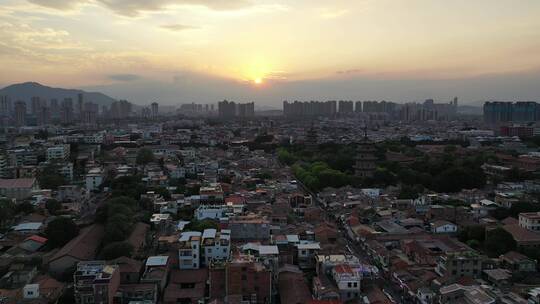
(258, 81)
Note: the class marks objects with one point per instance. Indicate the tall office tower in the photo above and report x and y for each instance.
(20, 113)
(80, 104)
(54, 108)
(35, 105)
(43, 116)
(346, 107)
(5, 106)
(89, 113)
(155, 109)
(66, 111)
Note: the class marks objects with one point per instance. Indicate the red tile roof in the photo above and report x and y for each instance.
(36, 238)
(17, 183)
(84, 246)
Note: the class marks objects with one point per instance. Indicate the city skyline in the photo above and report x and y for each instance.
(270, 51)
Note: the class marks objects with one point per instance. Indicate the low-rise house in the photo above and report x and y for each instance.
(347, 280)
(530, 221)
(94, 178)
(249, 227)
(130, 269)
(18, 188)
(156, 271)
(95, 282)
(216, 245)
(456, 293)
(456, 265)
(82, 248)
(186, 286)
(189, 250)
(137, 293)
(515, 261)
(306, 252)
(443, 227)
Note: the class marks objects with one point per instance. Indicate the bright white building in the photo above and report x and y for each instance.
(443, 227)
(214, 212)
(94, 179)
(348, 281)
(188, 253)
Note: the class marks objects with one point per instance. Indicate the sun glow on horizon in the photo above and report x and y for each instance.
(258, 81)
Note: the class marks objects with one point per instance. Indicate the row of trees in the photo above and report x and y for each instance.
(118, 214)
(319, 175)
(449, 172)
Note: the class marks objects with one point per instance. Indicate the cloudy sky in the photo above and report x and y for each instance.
(177, 51)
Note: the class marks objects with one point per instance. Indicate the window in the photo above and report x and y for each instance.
(355, 284)
(349, 284)
(244, 277)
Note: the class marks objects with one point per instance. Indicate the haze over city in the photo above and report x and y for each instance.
(180, 51)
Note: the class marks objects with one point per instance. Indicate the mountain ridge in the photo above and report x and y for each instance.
(26, 90)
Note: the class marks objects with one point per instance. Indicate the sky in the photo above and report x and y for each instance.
(267, 51)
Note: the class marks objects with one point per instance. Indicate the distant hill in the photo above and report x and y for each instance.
(25, 91)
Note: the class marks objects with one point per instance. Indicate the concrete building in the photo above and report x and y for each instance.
(95, 282)
(59, 152)
(189, 250)
(18, 188)
(93, 179)
(530, 221)
(457, 265)
(249, 227)
(348, 282)
(216, 245)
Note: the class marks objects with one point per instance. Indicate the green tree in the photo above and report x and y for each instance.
(115, 250)
(144, 156)
(196, 225)
(7, 211)
(53, 206)
(285, 157)
(499, 241)
(60, 231)
(25, 208)
(118, 228)
(49, 178)
(476, 232)
(163, 192)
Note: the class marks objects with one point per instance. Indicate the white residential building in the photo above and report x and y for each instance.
(443, 227)
(188, 253)
(348, 281)
(94, 179)
(214, 212)
(216, 245)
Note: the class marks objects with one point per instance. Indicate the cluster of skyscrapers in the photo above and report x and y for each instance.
(496, 112)
(41, 111)
(230, 109)
(429, 110)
